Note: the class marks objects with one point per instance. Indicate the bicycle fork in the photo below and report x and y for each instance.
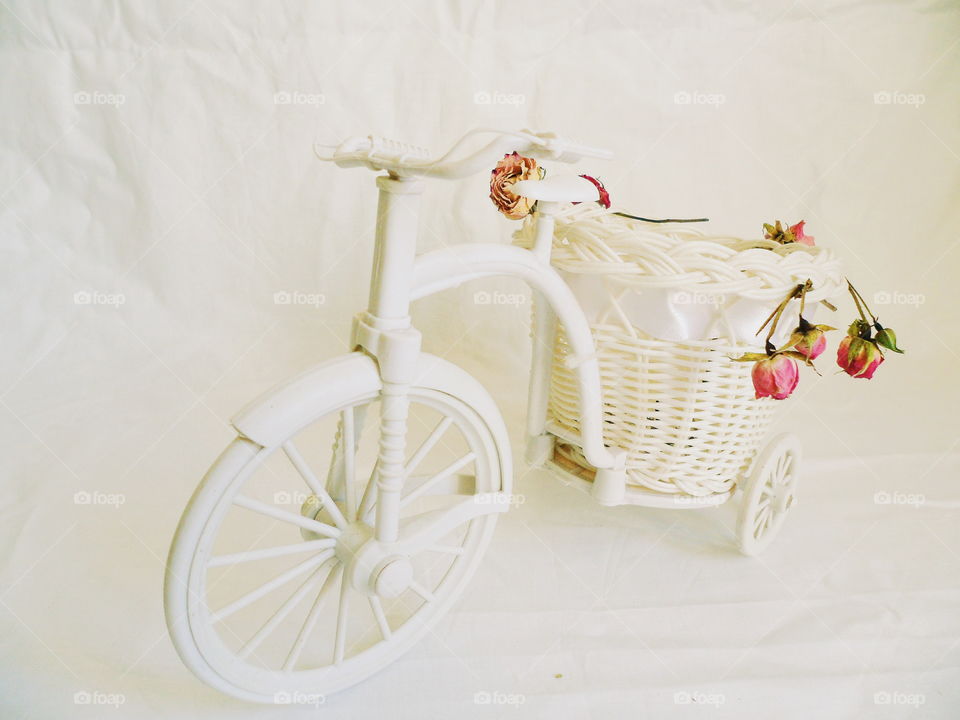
(385, 331)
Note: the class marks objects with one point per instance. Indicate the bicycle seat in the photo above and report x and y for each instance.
(557, 188)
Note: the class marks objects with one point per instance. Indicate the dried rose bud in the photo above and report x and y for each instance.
(798, 234)
(859, 357)
(775, 376)
(809, 340)
(512, 169)
(784, 236)
(773, 232)
(812, 344)
(604, 198)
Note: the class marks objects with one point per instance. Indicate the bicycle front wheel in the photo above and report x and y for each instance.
(259, 598)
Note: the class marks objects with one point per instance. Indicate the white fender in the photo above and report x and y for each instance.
(280, 412)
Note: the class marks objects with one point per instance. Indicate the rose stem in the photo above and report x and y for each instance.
(857, 301)
(778, 311)
(667, 220)
(858, 296)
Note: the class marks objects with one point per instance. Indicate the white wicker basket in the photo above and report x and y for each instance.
(682, 409)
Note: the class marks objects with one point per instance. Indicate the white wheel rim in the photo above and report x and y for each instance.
(769, 493)
(222, 666)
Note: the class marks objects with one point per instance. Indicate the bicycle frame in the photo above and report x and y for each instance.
(385, 331)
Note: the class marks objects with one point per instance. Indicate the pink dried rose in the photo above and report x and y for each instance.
(859, 357)
(799, 235)
(809, 340)
(604, 198)
(859, 354)
(775, 376)
(512, 169)
(812, 344)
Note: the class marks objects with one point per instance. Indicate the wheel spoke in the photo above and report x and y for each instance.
(787, 467)
(284, 516)
(349, 462)
(314, 483)
(427, 445)
(439, 477)
(449, 549)
(768, 520)
(422, 591)
(377, 607)
(272, 552)
(369, 498)
(281, 613)
(307, 627)
(760, 518)
(431, 526)
(340, 641)
(783, 468)
(281, 579)
(335, 472)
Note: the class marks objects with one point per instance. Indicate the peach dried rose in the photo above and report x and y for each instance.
(512, 169)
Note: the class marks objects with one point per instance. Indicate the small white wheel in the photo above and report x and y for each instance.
(265, 612)
(768, 493)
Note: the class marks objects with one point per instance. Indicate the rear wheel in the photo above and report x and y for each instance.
(768, 494)
(276, 590)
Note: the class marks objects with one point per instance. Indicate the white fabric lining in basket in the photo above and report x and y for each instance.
(674, 398)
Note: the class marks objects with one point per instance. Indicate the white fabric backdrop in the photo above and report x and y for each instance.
(157, 190)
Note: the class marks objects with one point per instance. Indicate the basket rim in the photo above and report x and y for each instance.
(596, 241)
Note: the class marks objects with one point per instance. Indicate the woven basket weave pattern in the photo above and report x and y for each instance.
(594, 241)
(685, 412)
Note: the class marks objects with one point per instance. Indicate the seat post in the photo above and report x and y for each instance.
(398, 213)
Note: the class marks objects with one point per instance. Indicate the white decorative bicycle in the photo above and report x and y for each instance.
(358, 498)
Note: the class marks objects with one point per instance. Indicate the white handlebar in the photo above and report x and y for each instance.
(403, 159)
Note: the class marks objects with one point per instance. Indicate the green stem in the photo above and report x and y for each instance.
(857, 295)
(773, 327)
(667, 220)
(775, 315)
(770, 316)
(857, 299)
